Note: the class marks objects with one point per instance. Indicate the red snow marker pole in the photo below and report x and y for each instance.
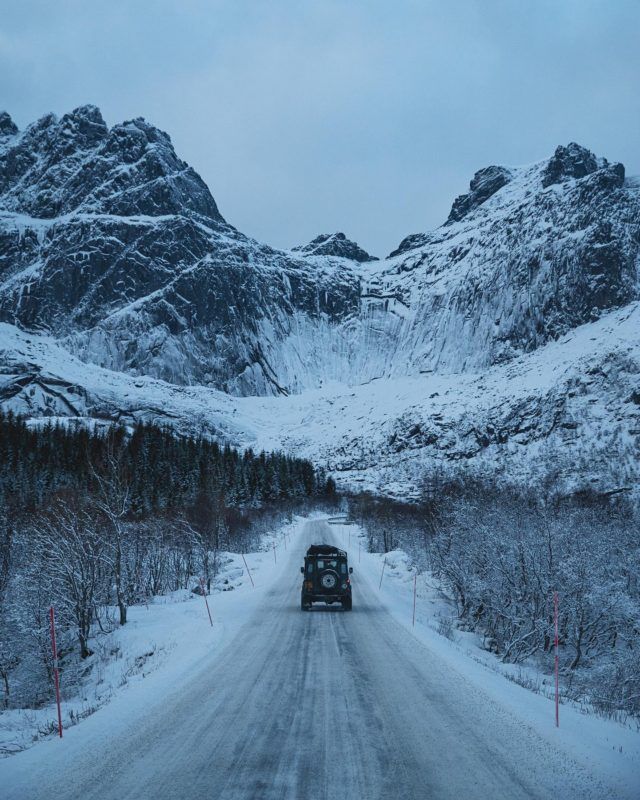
(56, 676)
(204, 594)
(555, 615)
(248, 570)
(384, 564)
(415, 585)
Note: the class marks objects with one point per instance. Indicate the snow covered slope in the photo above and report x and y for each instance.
(114, 251)
(528, 254)
(570, 411)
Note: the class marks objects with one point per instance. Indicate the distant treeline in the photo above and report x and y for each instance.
(95, 521)
(164, 473)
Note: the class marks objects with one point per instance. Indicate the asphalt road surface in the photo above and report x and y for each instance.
(326, 704)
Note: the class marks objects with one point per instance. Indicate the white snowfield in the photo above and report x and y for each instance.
(576, 398)
(274, 702)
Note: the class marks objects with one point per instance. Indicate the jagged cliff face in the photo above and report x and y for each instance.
(115, 262)
(76, 164)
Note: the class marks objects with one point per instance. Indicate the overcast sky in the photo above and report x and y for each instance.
(362, 116)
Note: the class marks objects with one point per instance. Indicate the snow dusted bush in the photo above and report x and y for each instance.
(69, 551)
(445, 627)
(501, 553)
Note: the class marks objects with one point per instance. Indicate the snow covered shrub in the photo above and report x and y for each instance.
(70, 551)
(612, 686)
(500, 553)
(445, 627)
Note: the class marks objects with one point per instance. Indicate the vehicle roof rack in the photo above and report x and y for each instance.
(325, 550)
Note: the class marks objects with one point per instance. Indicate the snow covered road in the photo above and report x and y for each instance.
(303, 706)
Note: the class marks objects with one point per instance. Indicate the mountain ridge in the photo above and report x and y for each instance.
(153, 292)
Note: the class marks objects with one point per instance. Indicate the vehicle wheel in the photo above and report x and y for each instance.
(305, 604)
(346, 604)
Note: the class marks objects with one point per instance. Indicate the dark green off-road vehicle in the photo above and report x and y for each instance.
(326, 577)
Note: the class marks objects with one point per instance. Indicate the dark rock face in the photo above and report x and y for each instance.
(409, 243)
(170, 298)
(335, 244)
(7, 125)
(486, 182)
(574, 161)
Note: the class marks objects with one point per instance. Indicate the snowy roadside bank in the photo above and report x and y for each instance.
(610, 750)
(162, 644)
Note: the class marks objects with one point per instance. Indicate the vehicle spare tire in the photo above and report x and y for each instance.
(329, 580)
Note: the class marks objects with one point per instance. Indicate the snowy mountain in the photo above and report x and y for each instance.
(111, 242)
(125, 294)
(528, 254)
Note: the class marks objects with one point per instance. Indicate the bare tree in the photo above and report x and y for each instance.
(72, 551)
(113, 501)
(9, 657)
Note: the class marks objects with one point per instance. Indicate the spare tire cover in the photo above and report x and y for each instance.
(329, 579)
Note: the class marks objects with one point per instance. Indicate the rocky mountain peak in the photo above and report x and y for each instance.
(137, 139)
(83, 117)
(78, 164)
(335, 244)
(87, 112)
(568, 162)
(575, 161)
(485, 183)
(410, 242)
(7, 125)
(84, 127)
